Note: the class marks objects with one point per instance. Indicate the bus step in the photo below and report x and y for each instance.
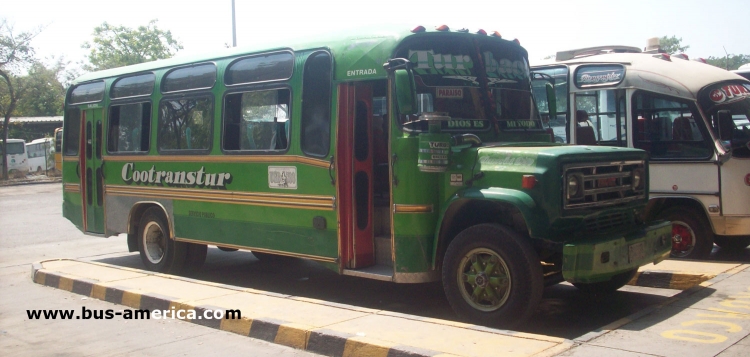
(377, 272)
(383, 251)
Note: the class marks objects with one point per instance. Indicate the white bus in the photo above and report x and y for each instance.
(692, 119)
(18, 163)
(41, 155)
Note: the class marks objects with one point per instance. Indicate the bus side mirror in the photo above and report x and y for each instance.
(405, 89)
(551, 100)
(726, 126)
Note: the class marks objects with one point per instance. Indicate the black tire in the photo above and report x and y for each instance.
(271, 258)
(159, 252)
(517, 276)
(732, 243)
(692, 237)
(609, 286)
(225, 249)
(195, 258)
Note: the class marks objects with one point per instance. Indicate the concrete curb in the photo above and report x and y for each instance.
(313, 339)
(29, 182)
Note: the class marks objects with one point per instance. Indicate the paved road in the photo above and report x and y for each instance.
(32, 229)
(36, 230)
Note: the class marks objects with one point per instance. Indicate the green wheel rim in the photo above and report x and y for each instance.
(484, 279)
(154, 242)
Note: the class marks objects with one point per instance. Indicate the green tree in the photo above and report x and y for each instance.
(672, 45)
(15, 53)
(116, 46)
(44, 94)
(729, 62)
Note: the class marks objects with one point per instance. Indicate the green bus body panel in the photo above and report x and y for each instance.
(582, 260)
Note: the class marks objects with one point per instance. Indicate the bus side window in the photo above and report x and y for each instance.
(72, 132)
(257, 120)
(315, 138)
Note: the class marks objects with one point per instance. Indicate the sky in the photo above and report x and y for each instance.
(543, 27)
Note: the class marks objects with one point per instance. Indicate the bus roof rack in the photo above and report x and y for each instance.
(590, 51)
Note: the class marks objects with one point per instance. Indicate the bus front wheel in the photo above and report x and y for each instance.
(492, 276)
(158, 251)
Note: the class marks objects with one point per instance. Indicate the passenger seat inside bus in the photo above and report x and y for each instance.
(584, 134)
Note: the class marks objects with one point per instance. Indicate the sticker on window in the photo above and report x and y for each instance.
(450, 93)
(284, 177)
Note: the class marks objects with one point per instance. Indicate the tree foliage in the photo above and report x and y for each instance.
(43, 93)
(116, 46)
(672, 45)
(729, 62)
(15, 53)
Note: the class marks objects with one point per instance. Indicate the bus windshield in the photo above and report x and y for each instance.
(734, 97)
(478, 84)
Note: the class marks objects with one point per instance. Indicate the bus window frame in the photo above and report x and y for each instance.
(181, 96)
(239, 59)
(118, 79)
(126, 101)
(332, 122)
(698, 116)
(163, 79)
(245, 88)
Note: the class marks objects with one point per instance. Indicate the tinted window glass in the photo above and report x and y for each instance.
(316, 105)
(669, 128)
(133, 86)
(185, 124)
(71, 132)
(86, 93)
(257, 120)
(129, 128)
(194, 77)
(268, 67)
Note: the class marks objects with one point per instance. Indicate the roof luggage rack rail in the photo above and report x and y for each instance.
(590, 51)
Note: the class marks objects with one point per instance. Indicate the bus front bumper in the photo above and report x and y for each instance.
(598, 258)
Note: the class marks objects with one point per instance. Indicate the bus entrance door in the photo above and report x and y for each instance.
(91, 174)
(354, 155)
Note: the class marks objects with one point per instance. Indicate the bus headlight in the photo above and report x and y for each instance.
(638, 179)
(574, 186)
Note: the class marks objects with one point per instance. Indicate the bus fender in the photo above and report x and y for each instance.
(509, 207)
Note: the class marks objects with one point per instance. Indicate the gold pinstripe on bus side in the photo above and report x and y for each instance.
(234, 197)
(412, 208)
(72, 187)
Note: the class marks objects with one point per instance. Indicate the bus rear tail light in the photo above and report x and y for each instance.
(528, 181)
(418, 29)
(443, 28)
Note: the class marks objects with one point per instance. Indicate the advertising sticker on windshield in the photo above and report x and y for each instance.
(589, 76)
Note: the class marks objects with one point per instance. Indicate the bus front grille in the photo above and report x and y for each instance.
(603, 184)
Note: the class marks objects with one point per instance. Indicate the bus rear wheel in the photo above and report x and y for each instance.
(692, 237)
(158, 251)
(492, 276)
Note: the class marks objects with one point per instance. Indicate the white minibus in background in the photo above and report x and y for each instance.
(691, 117)
(18, 163)
(41, 155)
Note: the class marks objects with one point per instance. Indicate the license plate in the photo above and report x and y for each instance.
(636, 252)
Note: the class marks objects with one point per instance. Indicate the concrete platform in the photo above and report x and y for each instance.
(307, 324)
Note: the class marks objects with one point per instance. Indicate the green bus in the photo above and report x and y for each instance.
(393, 154)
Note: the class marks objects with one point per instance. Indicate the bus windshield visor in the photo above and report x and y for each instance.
(734, 97)
(477, 84)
